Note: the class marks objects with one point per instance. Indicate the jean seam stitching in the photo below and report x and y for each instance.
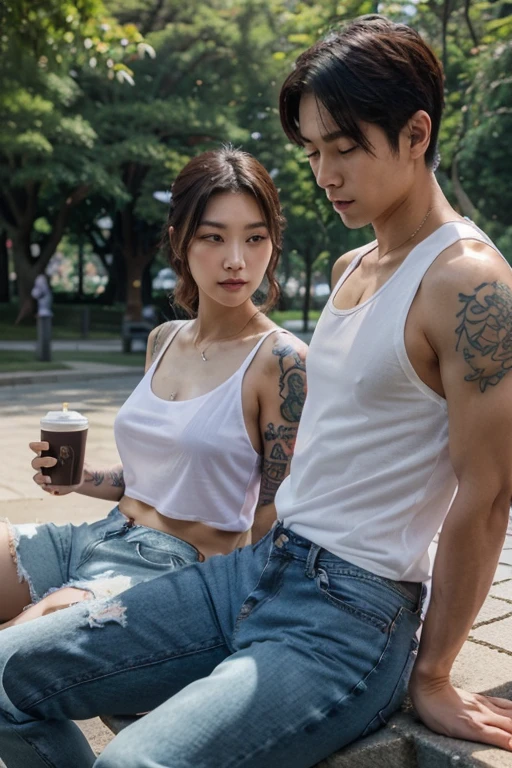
(23, 706)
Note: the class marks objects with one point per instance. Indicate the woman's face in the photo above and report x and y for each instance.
(231, 249)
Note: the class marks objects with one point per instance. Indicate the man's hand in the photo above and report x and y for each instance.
(462, 715)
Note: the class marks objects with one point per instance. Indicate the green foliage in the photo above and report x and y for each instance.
(485, 158)
(101, 106)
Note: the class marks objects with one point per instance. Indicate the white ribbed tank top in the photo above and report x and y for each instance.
(371, 480)
(191, 459)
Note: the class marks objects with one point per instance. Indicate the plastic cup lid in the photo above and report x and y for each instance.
(64, 421)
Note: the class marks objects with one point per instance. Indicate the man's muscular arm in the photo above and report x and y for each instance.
(281, 401)
(468, 322)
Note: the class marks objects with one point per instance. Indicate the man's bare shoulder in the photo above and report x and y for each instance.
(343, 262)
(467, 293)
(465, 264)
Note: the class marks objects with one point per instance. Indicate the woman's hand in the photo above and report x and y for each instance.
(45, 481)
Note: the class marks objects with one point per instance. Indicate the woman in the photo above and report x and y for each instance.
(206, 437)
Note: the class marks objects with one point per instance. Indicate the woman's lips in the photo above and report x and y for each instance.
(233, 286)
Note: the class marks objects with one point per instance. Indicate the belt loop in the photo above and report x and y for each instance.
(314, 552)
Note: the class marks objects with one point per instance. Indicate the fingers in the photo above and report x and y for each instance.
(500, 703)
(37, 447)
(489, 734)
(43, 461)
(42, 480)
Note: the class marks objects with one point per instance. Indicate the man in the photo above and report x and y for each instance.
(281, 653)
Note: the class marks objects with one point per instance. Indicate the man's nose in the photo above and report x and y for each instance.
(327, 175)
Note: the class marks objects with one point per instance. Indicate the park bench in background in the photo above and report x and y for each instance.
(135, 330)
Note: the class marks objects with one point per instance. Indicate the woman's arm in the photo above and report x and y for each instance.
(281, 398)
(105, 484)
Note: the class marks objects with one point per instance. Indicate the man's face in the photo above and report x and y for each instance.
(364, 188)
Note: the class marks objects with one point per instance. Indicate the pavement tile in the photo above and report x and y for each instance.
(493, 609)
(481, 669)
(503, 572)
(506, 556)
(97, 734)
(499, 633)
(502, 590)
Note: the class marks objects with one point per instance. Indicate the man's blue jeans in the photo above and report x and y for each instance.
(271, 657)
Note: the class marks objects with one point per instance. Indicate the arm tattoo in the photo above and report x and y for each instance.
(485, 333)
(286, 434)
(292, 391)
(292, 388)
(272, 474)
(116, 478)
(97, 478)
(94, 477)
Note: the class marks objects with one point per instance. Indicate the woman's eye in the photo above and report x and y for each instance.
(309, 155)
(212, 238)
(257, 238)
(346, 151)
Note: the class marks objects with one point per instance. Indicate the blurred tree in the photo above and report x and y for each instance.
(47, 157)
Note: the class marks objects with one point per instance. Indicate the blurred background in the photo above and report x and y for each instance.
(101, 103)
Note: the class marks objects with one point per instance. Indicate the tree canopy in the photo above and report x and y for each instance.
(101, 104)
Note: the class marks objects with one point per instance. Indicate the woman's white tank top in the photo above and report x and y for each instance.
(191, 459)
(371, 479)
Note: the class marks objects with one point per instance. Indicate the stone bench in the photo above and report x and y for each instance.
(132, 331)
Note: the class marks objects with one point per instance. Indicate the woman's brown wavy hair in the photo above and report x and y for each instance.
(211, 173)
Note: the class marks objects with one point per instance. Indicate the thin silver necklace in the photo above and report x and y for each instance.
(173, 395)
(225, 338)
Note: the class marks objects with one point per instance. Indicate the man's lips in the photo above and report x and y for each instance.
(341, 205)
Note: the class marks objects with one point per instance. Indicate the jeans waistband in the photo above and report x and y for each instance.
(309, 551)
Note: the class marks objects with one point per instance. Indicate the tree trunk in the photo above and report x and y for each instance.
(134, 272)
(147, 288)
(4, 269)
(25, 275)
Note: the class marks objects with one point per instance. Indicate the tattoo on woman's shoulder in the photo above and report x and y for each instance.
(156, 343)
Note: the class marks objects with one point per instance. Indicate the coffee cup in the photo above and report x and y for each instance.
(66, 433)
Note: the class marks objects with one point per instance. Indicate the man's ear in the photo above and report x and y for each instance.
(419, 129)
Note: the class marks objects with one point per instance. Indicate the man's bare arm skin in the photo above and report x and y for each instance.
(281, 401)
(467, 316)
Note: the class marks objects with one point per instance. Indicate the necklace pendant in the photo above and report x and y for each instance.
(172, 396)
(203, 358)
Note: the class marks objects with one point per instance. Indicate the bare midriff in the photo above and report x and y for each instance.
(207, 540)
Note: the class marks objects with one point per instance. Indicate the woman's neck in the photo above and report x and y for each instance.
(218, 322)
